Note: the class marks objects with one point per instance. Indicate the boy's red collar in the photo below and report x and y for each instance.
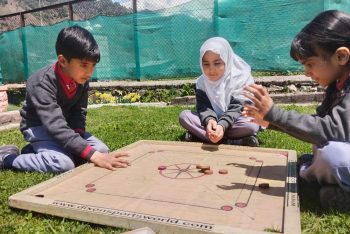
(340, 84)
(68, 84)
(64, 77)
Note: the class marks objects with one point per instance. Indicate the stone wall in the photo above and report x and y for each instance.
(283, 89)
(3, 98)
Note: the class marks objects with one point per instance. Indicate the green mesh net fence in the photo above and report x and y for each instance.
(164, 43)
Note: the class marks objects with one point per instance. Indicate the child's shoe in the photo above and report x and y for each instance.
(305, 158)
(27, 149)
(6, 151)
(251, 141)
(245, 141)
(334, 197)
(189, 137)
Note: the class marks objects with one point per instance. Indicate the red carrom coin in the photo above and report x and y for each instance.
(89, 185)
(90, 190)
(208, 172)
(240, 204)
(223, 171)
(161, 168)
(227, 208)
(202, 167)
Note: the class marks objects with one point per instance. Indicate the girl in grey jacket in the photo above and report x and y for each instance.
(323, 47)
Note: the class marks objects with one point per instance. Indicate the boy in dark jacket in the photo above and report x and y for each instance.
(54, 113)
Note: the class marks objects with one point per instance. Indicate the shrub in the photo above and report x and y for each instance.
(102, 98)
(131, 98)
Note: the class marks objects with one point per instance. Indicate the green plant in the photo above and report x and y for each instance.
(276, 73)
(131, 98)
(161, 95)
(101, 98)
(12, 107)
(165, 95)
(149, 96)
(187, 90)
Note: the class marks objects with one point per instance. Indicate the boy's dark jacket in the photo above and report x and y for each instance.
(331, 122)
(47, 105)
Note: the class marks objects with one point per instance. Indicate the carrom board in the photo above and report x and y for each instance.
(163, 190)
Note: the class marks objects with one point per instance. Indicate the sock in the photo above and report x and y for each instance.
(8, 161)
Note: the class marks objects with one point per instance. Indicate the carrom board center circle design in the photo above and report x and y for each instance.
(180, 171)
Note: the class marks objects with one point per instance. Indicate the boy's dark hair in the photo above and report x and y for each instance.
(77, 42)
(322, 36)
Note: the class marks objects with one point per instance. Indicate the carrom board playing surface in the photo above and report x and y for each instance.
(163, 190)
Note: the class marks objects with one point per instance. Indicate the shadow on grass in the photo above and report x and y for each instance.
(309, 196)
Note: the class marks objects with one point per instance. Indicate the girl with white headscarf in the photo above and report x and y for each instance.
(219, 98)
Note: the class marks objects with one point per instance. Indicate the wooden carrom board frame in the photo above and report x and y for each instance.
(178, 199)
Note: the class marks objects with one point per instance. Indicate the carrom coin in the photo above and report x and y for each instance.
(223, 171)
(264, 185)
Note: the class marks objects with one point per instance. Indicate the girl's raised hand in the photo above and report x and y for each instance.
(250, 111)
(260, 97)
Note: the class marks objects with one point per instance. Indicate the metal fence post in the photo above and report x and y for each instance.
(70, 10)
(24, 46)
(0, 76)
(136, 41)
(216, 18)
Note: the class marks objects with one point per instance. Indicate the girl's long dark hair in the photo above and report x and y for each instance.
(324, 34)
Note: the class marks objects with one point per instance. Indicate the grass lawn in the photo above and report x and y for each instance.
(120, 126)
(12, 107)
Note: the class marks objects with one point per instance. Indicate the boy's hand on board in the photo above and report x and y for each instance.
(110, 161)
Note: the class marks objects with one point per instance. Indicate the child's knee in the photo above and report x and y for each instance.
(63, 164)
(66, 167)
(334, 154)
(56, 164)
(251, 129)
(183, 117)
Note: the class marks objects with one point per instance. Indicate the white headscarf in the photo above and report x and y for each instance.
(237, 75)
